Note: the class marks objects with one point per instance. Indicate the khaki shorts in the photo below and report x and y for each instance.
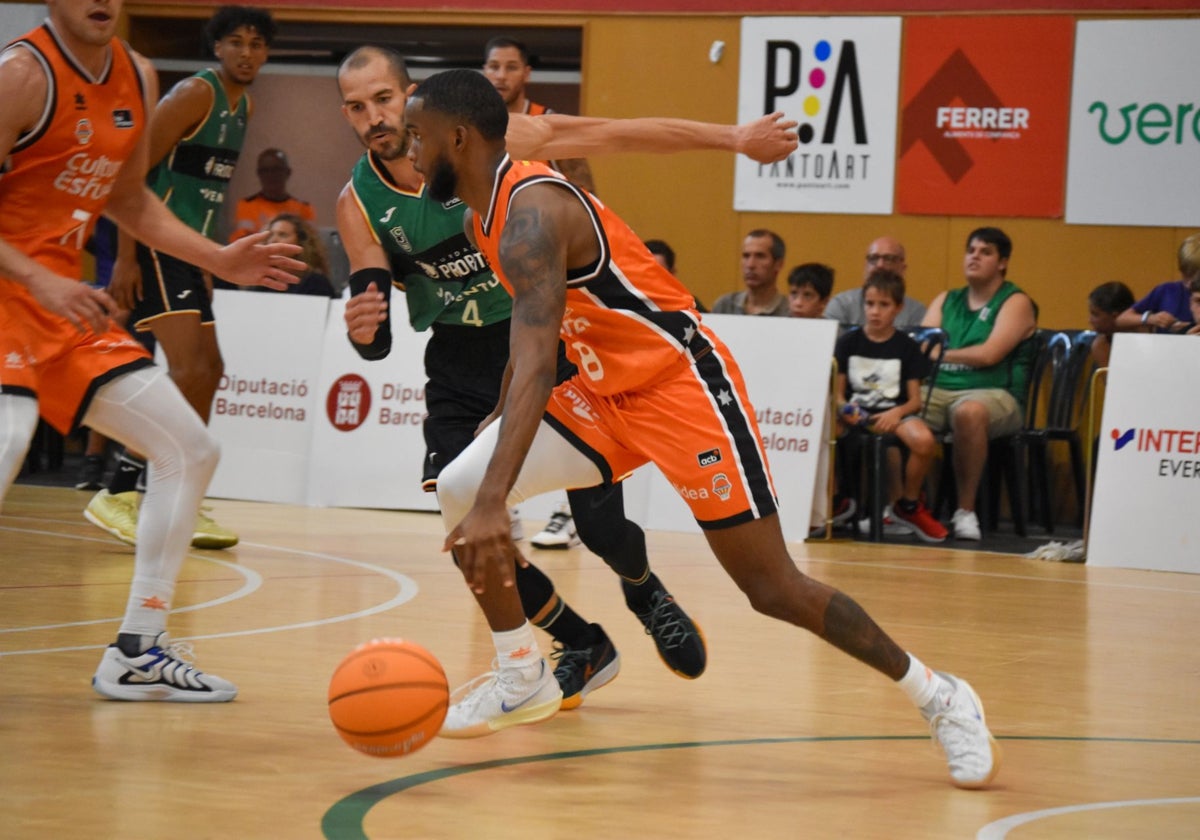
(1004, 414)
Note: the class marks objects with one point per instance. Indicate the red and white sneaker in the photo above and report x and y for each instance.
(923, 523)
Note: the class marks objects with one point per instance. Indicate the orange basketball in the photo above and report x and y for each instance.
(388, 697)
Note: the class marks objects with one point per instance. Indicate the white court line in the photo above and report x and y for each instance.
(858, 563)
(407, 590)
(999, 829)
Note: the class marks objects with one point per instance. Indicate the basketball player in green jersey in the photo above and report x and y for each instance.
(395, 234)
(196, 137)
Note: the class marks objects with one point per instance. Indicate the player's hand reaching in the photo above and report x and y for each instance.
(125, 285)
(250, 261)
(85, 307)
(483, 546)
(364, 313)
(768, 139)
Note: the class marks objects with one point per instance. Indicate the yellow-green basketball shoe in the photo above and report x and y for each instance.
(117, 514)
(209, 534)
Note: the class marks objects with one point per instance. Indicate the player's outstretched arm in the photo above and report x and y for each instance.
(554, 136)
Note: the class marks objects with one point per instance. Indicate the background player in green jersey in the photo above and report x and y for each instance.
(196, 137)
(395, 234)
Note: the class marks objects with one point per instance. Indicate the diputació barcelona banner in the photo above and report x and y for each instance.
(837, 77)
(1135, 124)
(983, 127)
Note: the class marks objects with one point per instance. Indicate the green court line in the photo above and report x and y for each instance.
(344, 820)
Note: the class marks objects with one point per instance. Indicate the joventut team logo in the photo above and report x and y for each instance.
(348, 403)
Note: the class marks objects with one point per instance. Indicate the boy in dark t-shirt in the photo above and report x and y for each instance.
(879, 387)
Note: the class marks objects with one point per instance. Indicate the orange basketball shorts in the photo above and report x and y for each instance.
(696, 424)
(42, 355)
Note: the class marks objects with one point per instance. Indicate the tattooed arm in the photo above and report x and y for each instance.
(546, 230)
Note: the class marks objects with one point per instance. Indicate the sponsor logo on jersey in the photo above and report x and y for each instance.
(722, 486)
(80, 102)
(123, 118)
(707, 459)
(87, 176)
(218, 169)
(428, 269)
(400, 237)
(84, 131)
(569, 398)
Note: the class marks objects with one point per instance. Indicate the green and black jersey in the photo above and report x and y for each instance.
(444, 278)
(193, 178)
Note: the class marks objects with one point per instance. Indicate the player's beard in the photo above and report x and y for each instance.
(442, 181)
(394, 149)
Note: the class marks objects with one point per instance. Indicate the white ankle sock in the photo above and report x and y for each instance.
(920, 683)
(517, 648)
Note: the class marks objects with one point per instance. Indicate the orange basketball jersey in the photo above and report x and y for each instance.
(628, 320)
(56, 181)
(53, 186)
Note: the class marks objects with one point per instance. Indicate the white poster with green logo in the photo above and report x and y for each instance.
(1134, 155)
(838, 78)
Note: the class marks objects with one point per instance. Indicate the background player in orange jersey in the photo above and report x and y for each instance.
(74, 145)
(507, 65)
(646, 365)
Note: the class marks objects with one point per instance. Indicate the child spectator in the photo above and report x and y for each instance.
(809, 286)
(1105, 303)
(1166, 308)
(879, 387)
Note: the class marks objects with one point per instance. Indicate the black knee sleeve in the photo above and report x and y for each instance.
(600, 521)
(536, 590)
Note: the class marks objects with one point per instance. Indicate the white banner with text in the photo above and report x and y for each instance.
(1134, 153)
(303, 420)
(1147, 487)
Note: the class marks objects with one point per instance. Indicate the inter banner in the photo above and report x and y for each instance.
(1135, 124)
(837, 77)
(983, 129)
(1148, 475)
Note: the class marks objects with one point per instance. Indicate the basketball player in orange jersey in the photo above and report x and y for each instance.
(506, 65)
(654, 384)
(74, 143)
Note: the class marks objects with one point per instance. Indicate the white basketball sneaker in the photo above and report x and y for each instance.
(559, 532)
(502, 698)
(163, 672)
(956, 720)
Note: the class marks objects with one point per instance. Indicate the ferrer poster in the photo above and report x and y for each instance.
(837, 77)
(984, 123)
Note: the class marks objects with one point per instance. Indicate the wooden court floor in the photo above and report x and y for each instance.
(1091, 679)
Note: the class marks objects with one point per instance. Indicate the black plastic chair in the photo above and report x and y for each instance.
(1071, 365)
